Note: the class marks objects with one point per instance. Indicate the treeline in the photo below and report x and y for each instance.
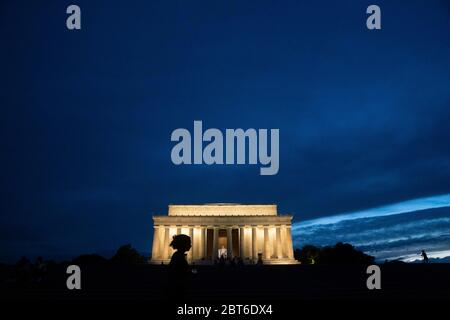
(126, 255)
(28, 273)
(341, 253)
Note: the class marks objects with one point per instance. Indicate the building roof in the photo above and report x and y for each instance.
(223, 209)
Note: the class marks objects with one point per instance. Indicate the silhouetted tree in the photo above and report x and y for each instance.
(308, 254)
(90, 259)
(297, 253)
(126, 254)
(341, 253)
(23, 270)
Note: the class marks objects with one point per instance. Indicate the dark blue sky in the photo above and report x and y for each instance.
(87, 115)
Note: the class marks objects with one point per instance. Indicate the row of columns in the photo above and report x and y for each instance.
(274, 242)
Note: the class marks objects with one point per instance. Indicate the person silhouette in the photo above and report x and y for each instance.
(425, 257)
(179, 272)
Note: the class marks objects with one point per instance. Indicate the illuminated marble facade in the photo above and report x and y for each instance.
(247, 231)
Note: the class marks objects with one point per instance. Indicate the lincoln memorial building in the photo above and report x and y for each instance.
(251, 232)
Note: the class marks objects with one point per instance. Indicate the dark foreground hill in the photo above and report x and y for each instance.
(105, 281)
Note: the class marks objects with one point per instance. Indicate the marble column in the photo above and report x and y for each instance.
(284, 242)
(162, 247)
(166, 243)
(278, 243)
(205, 242)
(290, 253)
(156, 245)
(254, 244)
(229, 243)
(241, 243)
(199, 248)
(248, 243)
(266, 243)
(195, 243)
(191, 252)
(215, 243)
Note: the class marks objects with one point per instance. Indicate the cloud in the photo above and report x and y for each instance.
(398, 231)
(396, 208)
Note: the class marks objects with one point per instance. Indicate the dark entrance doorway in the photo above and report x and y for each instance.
(235, 242)
(209, 243)
(222, 244)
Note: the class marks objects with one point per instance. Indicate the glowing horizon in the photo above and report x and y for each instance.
(431, 255)
(413, 205)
